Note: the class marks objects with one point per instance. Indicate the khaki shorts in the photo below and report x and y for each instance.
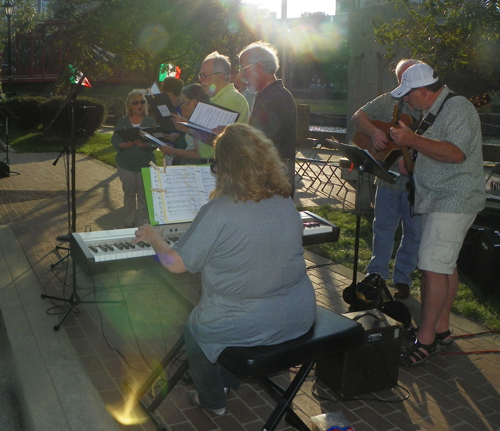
(442, 237)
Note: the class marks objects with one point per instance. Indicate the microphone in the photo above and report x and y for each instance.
(101, 56)
(116, 57)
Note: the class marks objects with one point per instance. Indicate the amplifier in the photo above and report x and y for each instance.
(371, 367)
(480, 256)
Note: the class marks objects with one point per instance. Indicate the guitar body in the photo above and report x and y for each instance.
(391, 153)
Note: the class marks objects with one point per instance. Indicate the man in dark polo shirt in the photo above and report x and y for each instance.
(274, 111)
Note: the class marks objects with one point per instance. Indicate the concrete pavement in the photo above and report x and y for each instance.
(67, 379)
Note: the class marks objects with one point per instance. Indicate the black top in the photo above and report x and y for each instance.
(275, 114)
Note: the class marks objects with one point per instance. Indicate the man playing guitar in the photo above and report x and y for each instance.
(392, 205)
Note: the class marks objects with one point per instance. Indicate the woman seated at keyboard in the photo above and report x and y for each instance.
(188, 147)
(247, 243)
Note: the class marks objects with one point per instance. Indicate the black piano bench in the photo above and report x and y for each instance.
(332, 334)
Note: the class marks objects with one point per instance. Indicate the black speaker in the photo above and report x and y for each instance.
(480, 258)
(370, 368)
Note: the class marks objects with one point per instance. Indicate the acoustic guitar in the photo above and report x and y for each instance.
(391, 153)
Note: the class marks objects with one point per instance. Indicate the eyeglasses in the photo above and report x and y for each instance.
(138, 102)
(206, 75)
(241, 69)
(213, 167)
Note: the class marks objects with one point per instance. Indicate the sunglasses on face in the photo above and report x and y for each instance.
(138, 102)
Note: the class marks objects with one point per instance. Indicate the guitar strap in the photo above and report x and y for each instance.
(430, 118)
(421, 129)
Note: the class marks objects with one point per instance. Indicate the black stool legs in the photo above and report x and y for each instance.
(285, 401)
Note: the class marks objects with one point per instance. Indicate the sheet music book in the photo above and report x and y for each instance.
(134, 133)
(176, 193)
(152, 139)
(207, 117)
(162, 108)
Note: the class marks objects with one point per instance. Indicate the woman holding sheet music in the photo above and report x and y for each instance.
(193, 151)
(247, 243)
(131, 156)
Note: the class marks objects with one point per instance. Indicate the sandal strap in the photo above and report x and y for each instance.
(418, 353)
(440, 336)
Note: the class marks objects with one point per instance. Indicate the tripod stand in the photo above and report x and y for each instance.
(70, 150)
(365, 163)
(7, 114)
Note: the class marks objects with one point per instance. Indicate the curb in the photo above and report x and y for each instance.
(54, 389)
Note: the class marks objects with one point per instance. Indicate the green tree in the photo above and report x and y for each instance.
(461, 40)
(23, 20)
(180, 32)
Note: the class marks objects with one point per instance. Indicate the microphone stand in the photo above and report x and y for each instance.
(7, 114)
(70, 100)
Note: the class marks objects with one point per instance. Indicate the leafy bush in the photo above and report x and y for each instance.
(27, 109)
(89, 115)
(491, 104)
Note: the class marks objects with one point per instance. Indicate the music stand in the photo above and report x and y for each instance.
(7, 114)
(365, 163)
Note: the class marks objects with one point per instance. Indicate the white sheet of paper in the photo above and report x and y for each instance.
(210, 117)
(155, 89)
(164, 111)
(185, 189)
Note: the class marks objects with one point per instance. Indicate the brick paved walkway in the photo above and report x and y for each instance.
(117, 342)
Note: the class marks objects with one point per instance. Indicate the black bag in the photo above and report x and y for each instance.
(4, 170)
(372, 293)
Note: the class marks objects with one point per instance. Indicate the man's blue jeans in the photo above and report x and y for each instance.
(391, 207)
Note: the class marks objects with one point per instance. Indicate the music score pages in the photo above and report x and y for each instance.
(180, 191)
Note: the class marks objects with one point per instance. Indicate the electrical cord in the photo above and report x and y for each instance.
(108, 343)
(92, 291)
(471, 352)
(160, 382)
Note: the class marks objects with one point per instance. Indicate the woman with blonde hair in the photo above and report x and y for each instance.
(247, 243)
(131, 156)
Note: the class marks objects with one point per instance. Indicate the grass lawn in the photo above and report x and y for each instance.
(324, 106)
(97, 146)
(470, 302)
